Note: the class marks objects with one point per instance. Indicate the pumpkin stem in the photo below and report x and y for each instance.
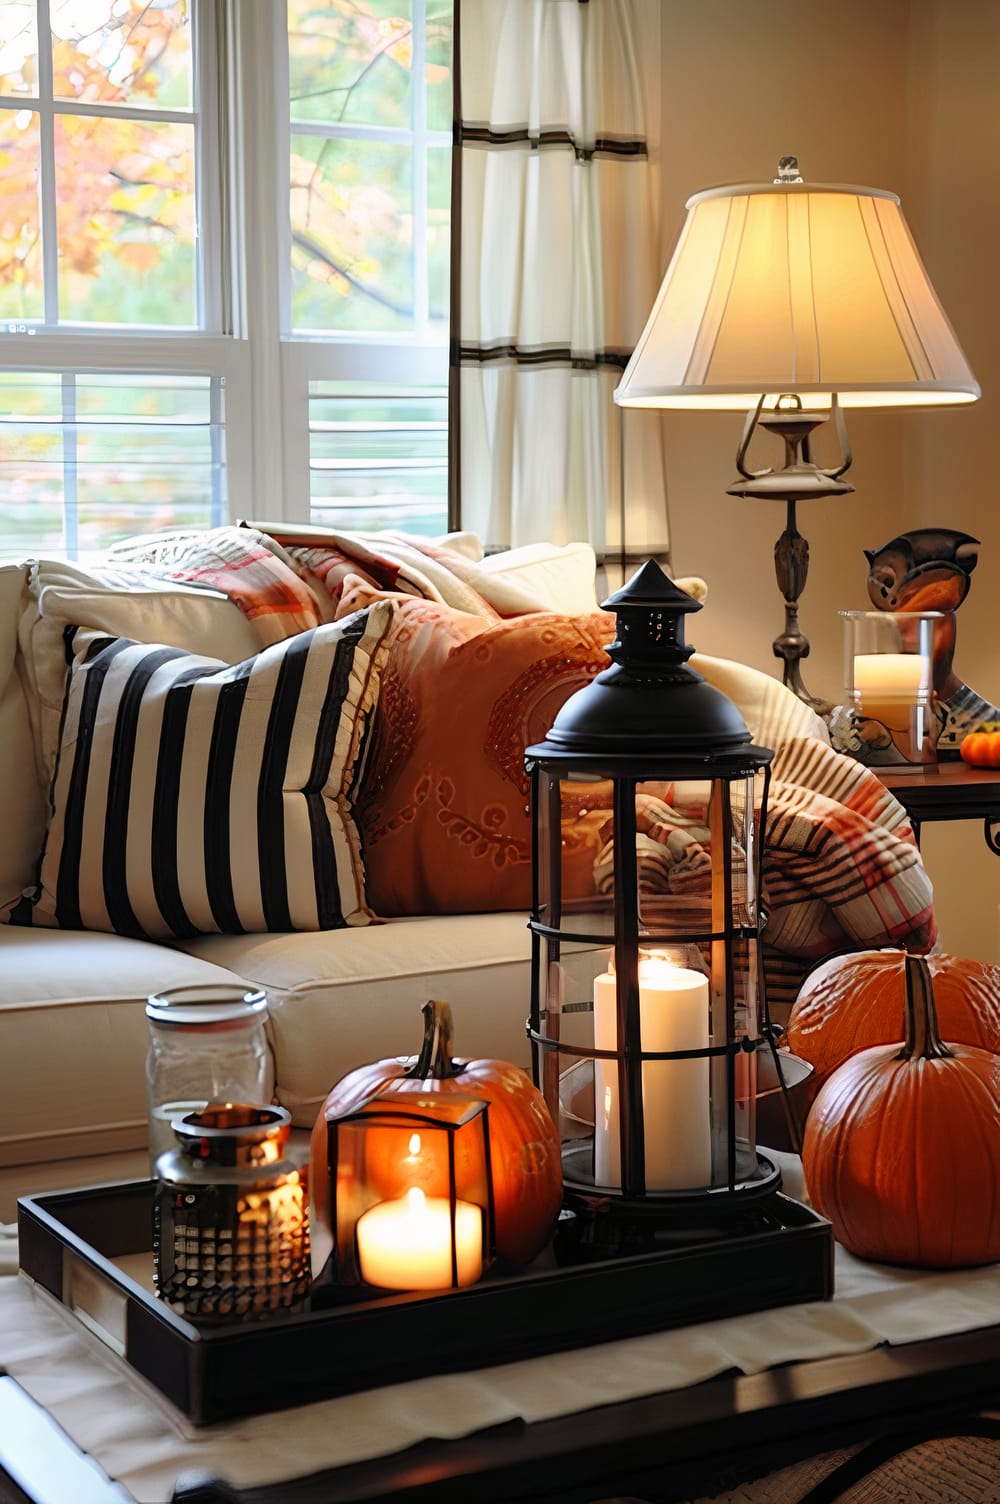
(434, 1063)
(923, 1038)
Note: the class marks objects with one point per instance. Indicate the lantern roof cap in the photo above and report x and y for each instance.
(649, 587)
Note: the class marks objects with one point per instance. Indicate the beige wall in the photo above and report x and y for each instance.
(954, 210)
(900, 95)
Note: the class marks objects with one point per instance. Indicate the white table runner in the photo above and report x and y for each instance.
(141, 1442)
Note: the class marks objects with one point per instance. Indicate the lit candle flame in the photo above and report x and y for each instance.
(416, 1200)
(414, 1143)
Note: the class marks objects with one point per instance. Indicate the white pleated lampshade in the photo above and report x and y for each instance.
(796, 287)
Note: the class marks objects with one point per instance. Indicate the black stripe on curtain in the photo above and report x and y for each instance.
(543, 355)
(472, 134)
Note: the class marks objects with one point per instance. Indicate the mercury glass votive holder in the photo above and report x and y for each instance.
(888, 676)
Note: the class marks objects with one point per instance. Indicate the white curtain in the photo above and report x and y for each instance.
(557, 267)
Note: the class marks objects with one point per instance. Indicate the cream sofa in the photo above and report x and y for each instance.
(72, 1022)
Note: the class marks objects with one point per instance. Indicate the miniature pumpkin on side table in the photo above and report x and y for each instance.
(524, 1147)
(902, 1146)
(981, 748)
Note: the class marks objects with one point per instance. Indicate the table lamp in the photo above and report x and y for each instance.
(792, 301)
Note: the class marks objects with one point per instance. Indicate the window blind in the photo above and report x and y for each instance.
(88, 458)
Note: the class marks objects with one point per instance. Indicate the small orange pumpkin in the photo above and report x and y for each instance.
(525, 1156)
(902, 1147)
(853, 1002)
(981, 748)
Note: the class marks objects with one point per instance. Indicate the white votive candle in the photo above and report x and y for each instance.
(677, 1134)
(881, 677)
(406, 1244)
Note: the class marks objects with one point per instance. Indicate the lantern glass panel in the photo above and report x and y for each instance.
(412, 1192)
(680, 828)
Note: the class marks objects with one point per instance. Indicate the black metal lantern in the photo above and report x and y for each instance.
(647, 1009)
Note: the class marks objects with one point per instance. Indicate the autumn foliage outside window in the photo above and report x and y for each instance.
(113, 208)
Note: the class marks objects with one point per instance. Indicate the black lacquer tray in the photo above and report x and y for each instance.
(576, 1296)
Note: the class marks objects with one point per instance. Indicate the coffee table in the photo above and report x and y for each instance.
(674, 1446)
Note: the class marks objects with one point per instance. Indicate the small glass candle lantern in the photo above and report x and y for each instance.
(888, 675)
(646, 1008)
(412, 1192)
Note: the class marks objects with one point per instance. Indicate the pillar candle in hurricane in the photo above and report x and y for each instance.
(887, 684)
(677, 1137)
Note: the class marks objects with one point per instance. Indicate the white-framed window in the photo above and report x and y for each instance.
(365, 310)
(224, 238)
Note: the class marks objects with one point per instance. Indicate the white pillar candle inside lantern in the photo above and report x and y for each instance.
(673, 1015)
(405, 1244)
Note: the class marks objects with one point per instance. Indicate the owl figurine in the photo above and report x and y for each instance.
(929, 569)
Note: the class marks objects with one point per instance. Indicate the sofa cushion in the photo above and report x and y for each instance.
(73, 1038)
(443, 807)
(122, 602)
(339, 1000)
(193, 797)
(560, 577)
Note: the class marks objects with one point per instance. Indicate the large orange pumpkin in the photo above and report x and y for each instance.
(902, 1147)
(525, 1155)
(853, 1002)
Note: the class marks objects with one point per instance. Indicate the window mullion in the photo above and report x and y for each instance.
(47, 167)
(418, 84)
(109, 111)
(261, 105)
(210, 95)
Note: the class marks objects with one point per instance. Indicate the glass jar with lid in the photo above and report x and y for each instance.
(206, 1045)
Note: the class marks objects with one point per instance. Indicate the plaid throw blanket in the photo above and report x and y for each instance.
(289, 579)
(242, 563)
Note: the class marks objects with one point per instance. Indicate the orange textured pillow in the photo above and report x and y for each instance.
(443, 810)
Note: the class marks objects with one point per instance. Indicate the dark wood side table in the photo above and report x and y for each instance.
(953, 791)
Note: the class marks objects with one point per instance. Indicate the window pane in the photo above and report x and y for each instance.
(379, 456)
(440, 108)
(87, 460)
(18, 47)
(439, 232)
(21, 293)
(126, 51)
(126, 216)
(350, 60)
(352, 233)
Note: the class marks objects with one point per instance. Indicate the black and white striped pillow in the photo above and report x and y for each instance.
(193, 797)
